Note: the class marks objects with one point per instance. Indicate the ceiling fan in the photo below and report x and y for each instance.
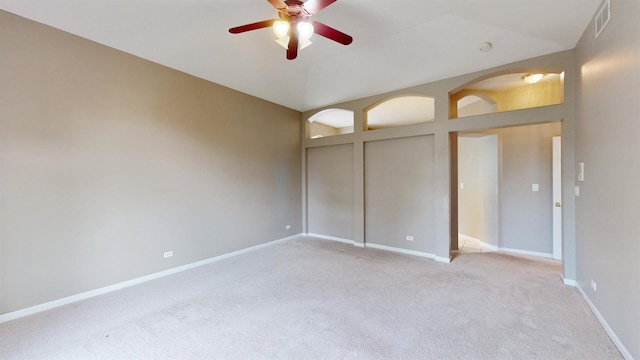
(294, 27)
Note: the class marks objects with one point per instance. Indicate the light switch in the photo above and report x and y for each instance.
(461, 185)
(577, 190)
(581, 171)
(535, 187)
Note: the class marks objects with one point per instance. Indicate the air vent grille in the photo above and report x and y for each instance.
(603, 17)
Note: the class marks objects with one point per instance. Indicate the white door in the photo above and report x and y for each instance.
(557, 198)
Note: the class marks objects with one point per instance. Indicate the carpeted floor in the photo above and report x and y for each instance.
(317, 299)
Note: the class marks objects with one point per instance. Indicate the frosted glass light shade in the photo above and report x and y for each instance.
(305, 30)
(281, 28)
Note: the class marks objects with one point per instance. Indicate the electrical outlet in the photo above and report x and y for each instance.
(535, 187)
(287, 227)
(594, 286)
(168, 254)
(409, 238)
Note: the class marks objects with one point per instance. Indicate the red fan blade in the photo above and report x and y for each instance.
(253, 26)
(278, 4)
(292, 50)
(331, 33)
(313, 6)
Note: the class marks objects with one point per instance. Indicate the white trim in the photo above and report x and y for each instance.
(359, 244)
(616, 340)
(489, 246)
(526, 252)
(568, 281)
(483, 244)
(443, 259)
(399, 250)
(125, 284)
(332, 238)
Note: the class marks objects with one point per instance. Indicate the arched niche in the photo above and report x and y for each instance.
(400, 111)
(508, 91)
(329, 122)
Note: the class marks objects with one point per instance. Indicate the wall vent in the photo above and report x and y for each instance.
(603, 17)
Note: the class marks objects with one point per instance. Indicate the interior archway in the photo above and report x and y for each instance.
(329, 122)
(400, 111)
(512, 91)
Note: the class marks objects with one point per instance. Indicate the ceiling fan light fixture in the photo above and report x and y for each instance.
(283, 41)
(305, 30)
(293, 29)
(281, 28)
(532, 78)
(304, 43)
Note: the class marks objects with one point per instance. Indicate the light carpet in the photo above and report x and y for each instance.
(316, 299)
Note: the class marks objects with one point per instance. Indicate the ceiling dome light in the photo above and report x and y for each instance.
(281, 28)
(305, 30)
(532, 78)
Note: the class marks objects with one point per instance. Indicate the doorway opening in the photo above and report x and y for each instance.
(503, 190)
(478, 192)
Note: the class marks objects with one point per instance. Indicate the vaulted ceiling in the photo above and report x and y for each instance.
(397, 43)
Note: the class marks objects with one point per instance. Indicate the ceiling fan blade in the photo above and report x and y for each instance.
(331, 33)
(278, 4)
(292, 50)
(313, 6)
(253, 26)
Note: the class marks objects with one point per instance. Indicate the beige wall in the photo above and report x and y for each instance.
(330, 191)
(440, 193)
(526, 159)
(107, 161)
(477, 108)
(608, 142)
(399, 180)
(316, 128)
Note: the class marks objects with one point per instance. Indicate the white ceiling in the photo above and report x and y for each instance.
(397, 43)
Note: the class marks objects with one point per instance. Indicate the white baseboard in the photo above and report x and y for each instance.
(616, 340)
(125, 284)
(400, 250)
(380, 247)
(483, 244)
(568, 281)
(491, 247)
(446, 260)
(332, 238)
(526, 252)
